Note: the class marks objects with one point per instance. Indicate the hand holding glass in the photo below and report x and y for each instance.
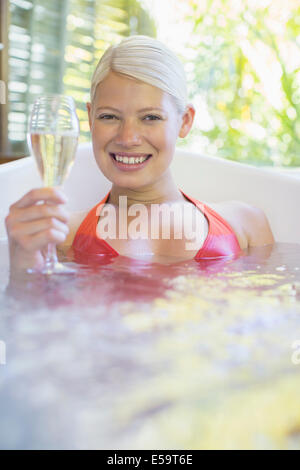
(53, 137)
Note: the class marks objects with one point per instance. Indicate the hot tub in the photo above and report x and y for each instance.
(129, 354)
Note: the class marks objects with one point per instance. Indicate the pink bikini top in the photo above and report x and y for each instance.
(221, 240)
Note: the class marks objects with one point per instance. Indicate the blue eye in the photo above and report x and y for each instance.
(153, 117)
(106, 117)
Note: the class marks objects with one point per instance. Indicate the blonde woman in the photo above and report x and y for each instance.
(138, 109)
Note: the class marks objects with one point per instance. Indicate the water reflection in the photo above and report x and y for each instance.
(138, 354)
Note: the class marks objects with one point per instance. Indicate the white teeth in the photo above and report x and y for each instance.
(130, 160)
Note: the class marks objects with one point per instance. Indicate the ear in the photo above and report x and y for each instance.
(89, 110)
(187, 120)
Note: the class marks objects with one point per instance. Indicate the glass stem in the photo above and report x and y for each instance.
(50, 256)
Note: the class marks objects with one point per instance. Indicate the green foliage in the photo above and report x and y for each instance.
(247, 71)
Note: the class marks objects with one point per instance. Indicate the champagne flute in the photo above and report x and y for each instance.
(53, 136)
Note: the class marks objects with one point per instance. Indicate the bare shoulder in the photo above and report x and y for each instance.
(257, 226)
(74, 222)
(248, 221)
(231, 211)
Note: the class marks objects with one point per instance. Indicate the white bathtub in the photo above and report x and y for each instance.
(209, 179)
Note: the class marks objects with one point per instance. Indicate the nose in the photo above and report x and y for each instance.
(128, 134)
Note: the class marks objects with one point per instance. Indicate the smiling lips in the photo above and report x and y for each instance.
(130, 158)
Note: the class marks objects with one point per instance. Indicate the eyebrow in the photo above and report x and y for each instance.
(140, 110)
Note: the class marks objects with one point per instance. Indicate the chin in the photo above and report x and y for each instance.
(129, 184)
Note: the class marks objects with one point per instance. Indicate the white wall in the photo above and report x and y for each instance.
(209, 179)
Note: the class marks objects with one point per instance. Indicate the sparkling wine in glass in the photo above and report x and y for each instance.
(53, 137)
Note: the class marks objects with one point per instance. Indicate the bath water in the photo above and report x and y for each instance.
(131, 354)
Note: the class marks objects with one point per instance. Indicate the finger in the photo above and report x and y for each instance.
(27, 214)
(41, 239)
(52, 195)
(31, 228)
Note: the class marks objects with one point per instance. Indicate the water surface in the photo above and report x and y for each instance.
(133, 354)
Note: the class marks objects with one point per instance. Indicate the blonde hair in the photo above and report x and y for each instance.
(148, 60)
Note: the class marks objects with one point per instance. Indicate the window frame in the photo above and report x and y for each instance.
(12, 149)
(4, 22)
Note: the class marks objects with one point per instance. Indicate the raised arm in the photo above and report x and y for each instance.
(31, 226)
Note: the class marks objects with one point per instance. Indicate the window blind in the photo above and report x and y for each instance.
(54, 48)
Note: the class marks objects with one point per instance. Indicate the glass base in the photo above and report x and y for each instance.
(55, 268)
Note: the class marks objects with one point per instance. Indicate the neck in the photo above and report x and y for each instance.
(162, 191)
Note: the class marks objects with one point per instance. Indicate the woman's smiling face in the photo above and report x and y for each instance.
(129, 118)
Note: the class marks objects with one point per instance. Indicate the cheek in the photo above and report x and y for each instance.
(101, 138)
(99, 143)
(99, 135)
(164, 137)
(170, 137)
